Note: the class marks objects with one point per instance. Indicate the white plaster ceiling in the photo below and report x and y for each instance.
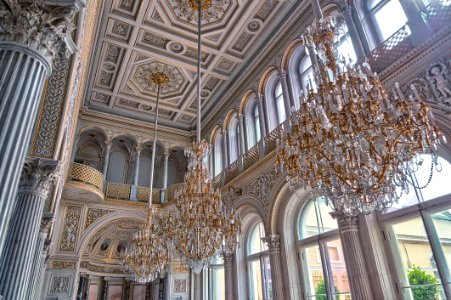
(136, 36)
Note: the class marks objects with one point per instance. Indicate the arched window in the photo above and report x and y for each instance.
(233, 139)
(322, 260)
(280, 105)
(217, 156)
(216, 280)
(256, 117)
(419, 231)
(388, 17)
(342, 40)
(258, 266)
(117, 167)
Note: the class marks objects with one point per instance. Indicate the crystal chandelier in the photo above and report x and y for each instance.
(350, 141)
(147, 256)
(202, 225)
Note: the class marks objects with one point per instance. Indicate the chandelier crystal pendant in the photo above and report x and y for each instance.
(350, 141)
(202, 224)
(147, 256)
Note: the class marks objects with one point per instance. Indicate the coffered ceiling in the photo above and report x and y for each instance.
(138, 36)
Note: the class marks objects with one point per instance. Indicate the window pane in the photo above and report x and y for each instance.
(442, 223)
(313, 273)
(267, 277)
(255, 243)
(255, 281)
(316, 218)
(390, 18)
(339, 274)
(417, 259)
(439, 184)
(257, 124)
(218, 283)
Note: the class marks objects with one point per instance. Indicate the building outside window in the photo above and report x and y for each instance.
(322, 261)
(422, 256)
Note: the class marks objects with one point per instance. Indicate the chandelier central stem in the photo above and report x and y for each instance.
(199, 24)
(154, 147)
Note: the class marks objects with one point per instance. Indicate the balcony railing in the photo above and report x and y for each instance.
(395, 47)
(118, 191)
(143, 195)
(86, 174)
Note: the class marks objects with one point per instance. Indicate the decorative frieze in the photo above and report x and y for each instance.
(60, 285)
(61, 264)
(71, 227)
(179, 285)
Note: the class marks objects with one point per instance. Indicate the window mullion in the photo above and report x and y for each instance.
(325, 261)
(437, 250)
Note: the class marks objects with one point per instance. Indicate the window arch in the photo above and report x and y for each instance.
(272, 109)
(323, 266)
(425, 251)
(117, 166)
(258, 265)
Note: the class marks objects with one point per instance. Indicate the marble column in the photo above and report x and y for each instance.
(287, 101)
(82, 287)
(228, 276)
(105, 288)
(225, 149)
(17, 259)
(126, 289)
(38, 257)
(273, 242)
(347, 11)
(354, 258)
(106, 159)
(74, 147)
(264, 122)
(137, 159)
(30, 36)
(37, 289)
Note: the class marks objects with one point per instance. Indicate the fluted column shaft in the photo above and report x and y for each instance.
(225, 147)
(264, 129)
(228, 276)
(17, 259)
(137, 159)
(36, 266)
(354, 258)
(347, 11)
(31, 33)
(22, 78)
(37, 289)
(106, 160)
(273, 242)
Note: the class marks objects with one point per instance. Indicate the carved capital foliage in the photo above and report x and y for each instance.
(347, 224)
(273, 242)
(38, 175)
(37, 25)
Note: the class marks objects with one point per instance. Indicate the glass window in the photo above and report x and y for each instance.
(322, 260)
(233, 140)
(426, 189)
(258, 265)
(218, 164)
(280, 105)
(257, 134)
(306, 74)
(216, 281)
(389, 17)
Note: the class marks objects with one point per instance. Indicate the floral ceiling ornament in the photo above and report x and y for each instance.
(211, 9)
(350, 141)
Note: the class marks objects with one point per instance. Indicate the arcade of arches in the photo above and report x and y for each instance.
(76, 115)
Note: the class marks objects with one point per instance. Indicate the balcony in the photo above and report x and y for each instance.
(86, 184)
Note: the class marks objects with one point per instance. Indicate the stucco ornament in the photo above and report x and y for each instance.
(42, 27)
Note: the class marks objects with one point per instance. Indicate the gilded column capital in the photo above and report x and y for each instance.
(38, 175)
(41, 26)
